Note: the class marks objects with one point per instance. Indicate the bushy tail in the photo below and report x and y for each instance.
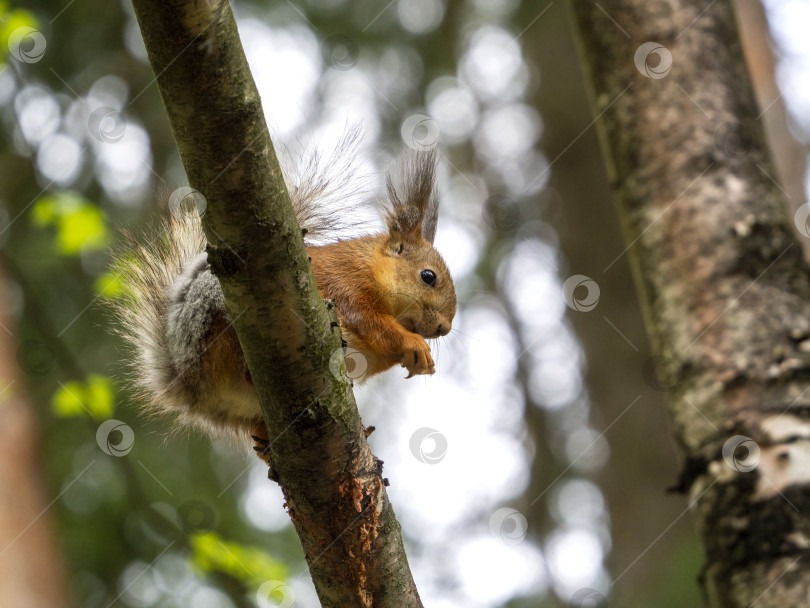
(147, 268)
(327, 191)
(157, 267)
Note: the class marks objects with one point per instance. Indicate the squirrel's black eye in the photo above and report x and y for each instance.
(429, 277)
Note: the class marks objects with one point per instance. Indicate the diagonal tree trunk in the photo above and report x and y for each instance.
(332, 482)
(725, 291)
(32, 573)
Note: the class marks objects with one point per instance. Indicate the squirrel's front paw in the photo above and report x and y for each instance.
(416, 357)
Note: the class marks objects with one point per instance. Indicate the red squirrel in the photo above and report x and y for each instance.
(392, 290)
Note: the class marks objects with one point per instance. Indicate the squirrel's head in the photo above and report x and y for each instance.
(418, 287)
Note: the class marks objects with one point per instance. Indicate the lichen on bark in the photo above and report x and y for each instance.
(724, 287)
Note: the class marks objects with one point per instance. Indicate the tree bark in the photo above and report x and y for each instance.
(332, 482)
(31, 569)
(725, 292)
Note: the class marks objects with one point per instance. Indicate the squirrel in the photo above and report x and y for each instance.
(391, 290)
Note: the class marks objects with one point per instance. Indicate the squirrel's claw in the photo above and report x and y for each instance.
(261, 441)
(416, 358)
(262, 449)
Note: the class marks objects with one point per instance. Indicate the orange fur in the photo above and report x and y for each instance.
(377, 291)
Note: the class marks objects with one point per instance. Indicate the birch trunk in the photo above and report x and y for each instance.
(725, 291)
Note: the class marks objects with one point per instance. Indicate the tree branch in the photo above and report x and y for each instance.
(331, 480)
(724, 288)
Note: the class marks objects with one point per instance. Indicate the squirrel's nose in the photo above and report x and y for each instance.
(442, 329)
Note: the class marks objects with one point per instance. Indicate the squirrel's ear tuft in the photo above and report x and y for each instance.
(431, 218)
(414, 206)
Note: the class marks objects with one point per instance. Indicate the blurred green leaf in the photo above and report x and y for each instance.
(67, 400)
(44, 211)
(12, 20)
(94, 397)
(249, 564)
(79, 223)
(100, 396)
(110, 285)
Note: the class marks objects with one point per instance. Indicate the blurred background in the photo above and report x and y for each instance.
(531, 470)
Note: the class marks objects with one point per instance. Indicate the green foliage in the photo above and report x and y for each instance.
(94, 397)
(250, 565)
(110, 285)
(79, 223)
(11, 20)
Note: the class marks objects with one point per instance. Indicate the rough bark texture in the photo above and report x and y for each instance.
(725, 291)
(331, 480)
